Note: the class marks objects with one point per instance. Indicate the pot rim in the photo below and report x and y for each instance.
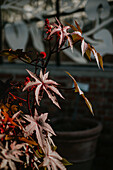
(94, 131)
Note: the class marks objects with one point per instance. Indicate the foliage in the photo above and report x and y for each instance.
(25, 133)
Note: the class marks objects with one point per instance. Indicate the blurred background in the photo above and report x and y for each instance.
(22, 27)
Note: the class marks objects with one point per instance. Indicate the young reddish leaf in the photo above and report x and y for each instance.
(78, 27)
(77, 89)
(76, 37)
(88, 104)
(84, 46)
(100, 60)
(72, 26)
(62, 32)
(8, 119)
(88, 52)
(31, 142)
(14, 108)
(8, 137)
(96, 56)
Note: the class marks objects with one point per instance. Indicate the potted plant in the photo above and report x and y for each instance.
(25, 132)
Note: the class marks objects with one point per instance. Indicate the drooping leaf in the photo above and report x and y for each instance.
(100, 60)
(88, 104)
(77, 89)
(84, 46)
(88, 52)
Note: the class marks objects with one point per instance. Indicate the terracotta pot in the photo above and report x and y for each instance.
(79, 146)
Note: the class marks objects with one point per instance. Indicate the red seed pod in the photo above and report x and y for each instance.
(27, 79)
(43, 55)
(46, 21)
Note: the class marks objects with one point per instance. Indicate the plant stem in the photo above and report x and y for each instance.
(28, 102)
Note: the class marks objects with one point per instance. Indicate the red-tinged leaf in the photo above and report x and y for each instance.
(96, 56)
(100, 60)
(77, 89)
(43, 84)
(62, 32)
(72, 26)
(88, 52)
(8, 119)
(52, 97)
(78, 27)
(38, 127)
(84, 47)
(76, 37)
(31, 142)
(8, 137)
(88, 104)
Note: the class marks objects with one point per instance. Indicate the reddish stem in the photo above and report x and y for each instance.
(28, 102)
(17, 97)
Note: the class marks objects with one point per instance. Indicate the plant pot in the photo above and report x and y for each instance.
(77, 140)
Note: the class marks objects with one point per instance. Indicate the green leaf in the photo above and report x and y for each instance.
(39, 153)
(65, 162)
(54, 148)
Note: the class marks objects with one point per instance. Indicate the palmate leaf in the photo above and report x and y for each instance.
(15, 54)
(43, 83)
(77, 89)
